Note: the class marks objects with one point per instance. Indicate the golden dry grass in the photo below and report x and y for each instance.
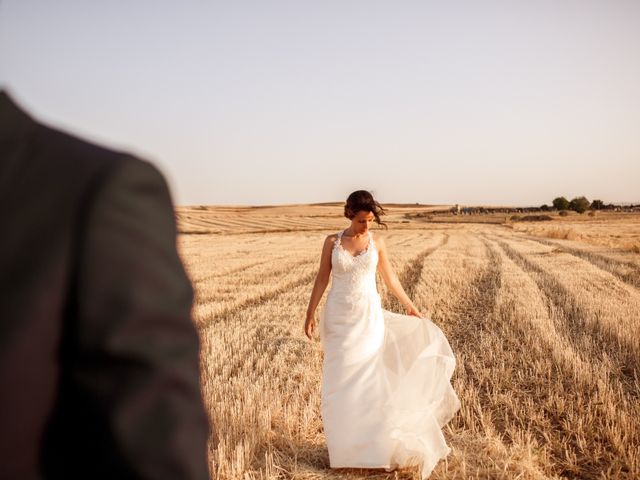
(233, 220)
(545, 332)
(606, 229)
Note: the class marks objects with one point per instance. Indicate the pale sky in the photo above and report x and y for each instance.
(271, 102)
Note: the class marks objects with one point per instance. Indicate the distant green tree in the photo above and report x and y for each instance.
(597, 205)
(560, 203)
(544, 208)
(579, 204)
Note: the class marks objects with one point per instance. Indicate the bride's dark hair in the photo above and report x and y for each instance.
(361, 200)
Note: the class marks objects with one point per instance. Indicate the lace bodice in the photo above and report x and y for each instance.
(353, 275)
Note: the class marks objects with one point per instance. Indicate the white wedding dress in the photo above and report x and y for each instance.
(386, 390)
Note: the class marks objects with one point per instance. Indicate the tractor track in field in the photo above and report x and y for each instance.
(411, 273)
(280, 272)
(233, 271)
(572, 322)
(574, 392)
(266, 296)
(610, 265)
(474, 311)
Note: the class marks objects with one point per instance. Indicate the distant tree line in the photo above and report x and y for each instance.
(577, 204)
(580, 205)
(560, 204)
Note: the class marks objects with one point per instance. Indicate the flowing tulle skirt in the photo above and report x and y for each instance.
(386, 390)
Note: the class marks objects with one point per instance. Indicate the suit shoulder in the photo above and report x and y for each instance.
(134, 179)
(61, 140)
(94, 163)
(75, 151)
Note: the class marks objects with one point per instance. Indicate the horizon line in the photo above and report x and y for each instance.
(397, 204)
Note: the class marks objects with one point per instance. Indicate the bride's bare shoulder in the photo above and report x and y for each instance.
(378, 238)
(330, 239)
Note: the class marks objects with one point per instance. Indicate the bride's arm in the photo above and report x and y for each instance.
(320, 285)
(391, 279)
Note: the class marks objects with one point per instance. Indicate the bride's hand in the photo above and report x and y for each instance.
(309, 326)
(414, 311)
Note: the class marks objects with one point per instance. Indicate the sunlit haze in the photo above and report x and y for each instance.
(250, 102)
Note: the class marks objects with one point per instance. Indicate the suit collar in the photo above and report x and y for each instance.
(15, 123)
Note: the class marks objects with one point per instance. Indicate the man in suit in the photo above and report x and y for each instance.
(99, 367)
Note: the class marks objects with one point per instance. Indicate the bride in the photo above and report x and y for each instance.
(386, 390)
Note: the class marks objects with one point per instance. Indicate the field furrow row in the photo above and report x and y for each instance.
(627, 271)
(544, 333)
(592, 337)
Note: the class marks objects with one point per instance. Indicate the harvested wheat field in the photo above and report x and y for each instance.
(545, 332)
(618, 231)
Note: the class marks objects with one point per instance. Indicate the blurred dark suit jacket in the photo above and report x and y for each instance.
(99, 370)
